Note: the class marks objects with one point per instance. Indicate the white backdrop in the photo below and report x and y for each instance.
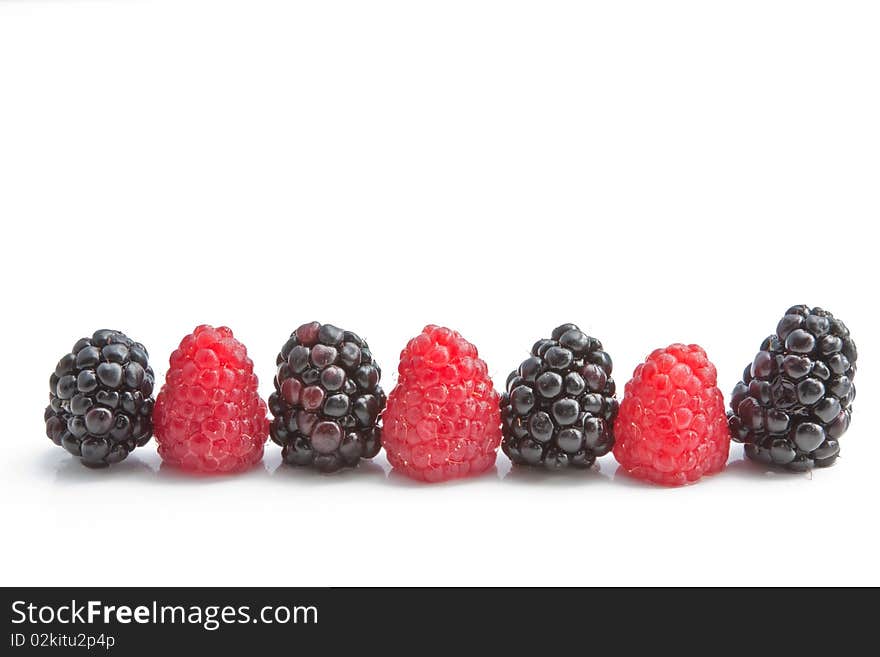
(655, 172)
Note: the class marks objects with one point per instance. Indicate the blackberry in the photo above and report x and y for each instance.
(101, 404)
(795, 399)
(559, 408)
(327, 399)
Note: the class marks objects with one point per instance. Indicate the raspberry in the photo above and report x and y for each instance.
(208, 415)
(671, 428)
(327, 399)
(559, 407)
(101, 403)
(795, 399)
(442, 420)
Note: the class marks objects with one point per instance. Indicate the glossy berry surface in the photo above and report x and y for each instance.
(559, 408)
(795, 399)
(327, 399)
(442, 420)
(100, 399)
(208, 415)
(671, 428)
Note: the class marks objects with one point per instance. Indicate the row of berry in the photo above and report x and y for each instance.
(444, 419)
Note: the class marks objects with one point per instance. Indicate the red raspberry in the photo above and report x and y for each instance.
(442, 420)
(208, 415)
(671, 428)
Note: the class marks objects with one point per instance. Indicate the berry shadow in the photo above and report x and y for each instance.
(365, 471)
(623, 478)
(566, 478)
(743, 469)
(170, 474)
(749, 469)
(396, 478)
(69, 470)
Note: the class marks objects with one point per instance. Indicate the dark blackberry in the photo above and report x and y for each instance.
(795, 399)
(101, 404)
(559, 408)
(327, 399)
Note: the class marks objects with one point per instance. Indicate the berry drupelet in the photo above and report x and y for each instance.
(442, 421)
(671, 429)
(209, 416)
(795, 399)
(559, 408)
(327, 399)
(100, 401)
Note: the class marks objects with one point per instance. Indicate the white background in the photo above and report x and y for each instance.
(655, 172)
